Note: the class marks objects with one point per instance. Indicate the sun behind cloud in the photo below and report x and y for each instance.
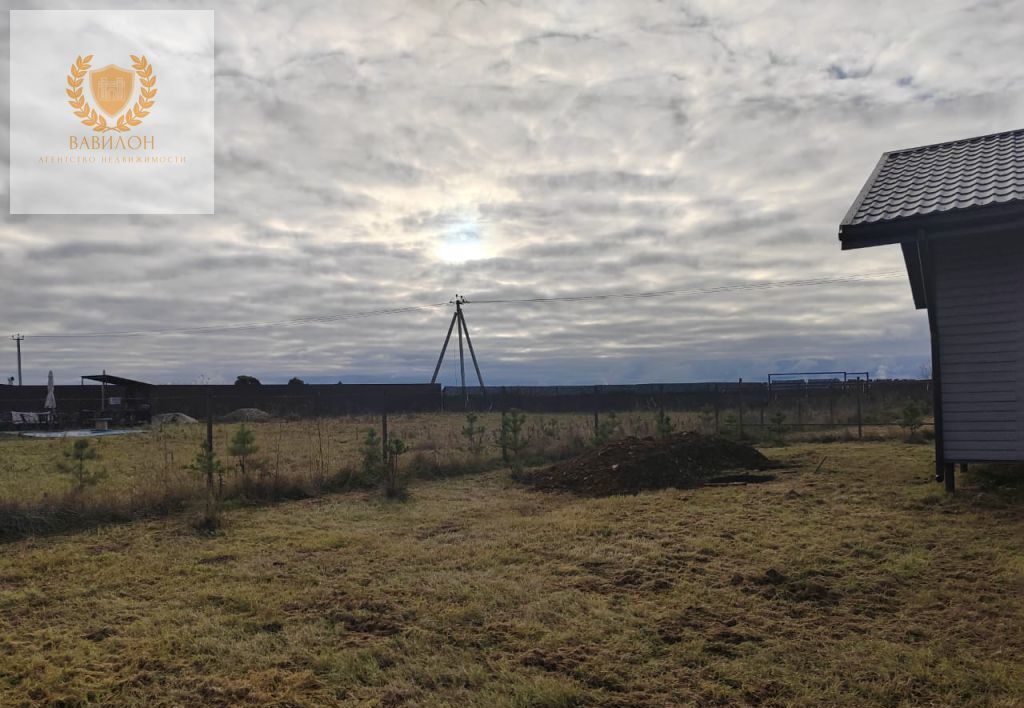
(462, 242)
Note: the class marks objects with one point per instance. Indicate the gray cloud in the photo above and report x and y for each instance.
(579, 147)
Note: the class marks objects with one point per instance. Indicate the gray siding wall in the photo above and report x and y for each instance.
(980, 309)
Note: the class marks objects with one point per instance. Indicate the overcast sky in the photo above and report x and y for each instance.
(387, 154)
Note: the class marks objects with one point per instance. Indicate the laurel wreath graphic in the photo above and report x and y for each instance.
(130, 118)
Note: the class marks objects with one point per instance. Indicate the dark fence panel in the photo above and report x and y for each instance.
(676, 396)
(346, 399)
(305, 399)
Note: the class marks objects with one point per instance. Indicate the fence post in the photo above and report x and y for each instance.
(209, 420)
(740, 404)
(209, 451)
(716, 410)
(860, 419)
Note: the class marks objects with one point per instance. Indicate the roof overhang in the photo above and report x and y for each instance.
(970, 221)
(115, 380)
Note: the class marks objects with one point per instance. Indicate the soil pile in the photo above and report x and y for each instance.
(246, 415)
(632, 465)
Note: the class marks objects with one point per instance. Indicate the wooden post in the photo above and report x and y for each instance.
(740, 404)
(209, 420)
(716, 410)
(444, 347)
(860, 417)
(462, 357)
(18, 339)
(209, 452)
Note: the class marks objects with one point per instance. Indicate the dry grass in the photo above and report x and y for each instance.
(859, 585)
(299, 450)
(296, 449)
(147, 473)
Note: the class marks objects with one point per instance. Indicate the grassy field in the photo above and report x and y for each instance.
(860, 584)
(158, 456)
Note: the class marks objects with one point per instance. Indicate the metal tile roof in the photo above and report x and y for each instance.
(947, 177)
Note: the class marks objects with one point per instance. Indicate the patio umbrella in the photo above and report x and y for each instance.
(51, 400)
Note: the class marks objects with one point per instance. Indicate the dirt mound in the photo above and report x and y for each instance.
(246, 415)
(632, 464)
(171, 418)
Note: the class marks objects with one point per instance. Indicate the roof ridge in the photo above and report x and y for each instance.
(947, 143)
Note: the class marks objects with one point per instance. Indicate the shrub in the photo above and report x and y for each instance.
(474, 435)
(608, 428)
(511, 439)
(207, 465)
(243, 446)
(372, 455)
(911, 421)
(79, 454)
(393, 483)
(777, 428)
(665, 426)
(550, 428)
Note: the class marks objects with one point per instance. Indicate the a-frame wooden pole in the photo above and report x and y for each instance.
(472, 353)
(444, 348)
(462, 356)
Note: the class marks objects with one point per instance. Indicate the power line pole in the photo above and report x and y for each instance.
(462, 357)
(459, 319)
(18, 339)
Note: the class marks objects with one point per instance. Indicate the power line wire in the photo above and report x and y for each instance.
(241, 326)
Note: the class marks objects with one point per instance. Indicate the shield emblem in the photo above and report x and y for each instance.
(112, 88)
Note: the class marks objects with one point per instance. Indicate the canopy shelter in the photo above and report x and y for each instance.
(128, 401)
(112, 380)
(957, 211)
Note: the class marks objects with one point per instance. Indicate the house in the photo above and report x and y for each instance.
(957, 211)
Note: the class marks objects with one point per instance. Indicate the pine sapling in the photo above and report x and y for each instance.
(242, 446)
(80, 453)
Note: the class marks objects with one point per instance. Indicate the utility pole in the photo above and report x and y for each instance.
(18, 339)
(458, 318)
